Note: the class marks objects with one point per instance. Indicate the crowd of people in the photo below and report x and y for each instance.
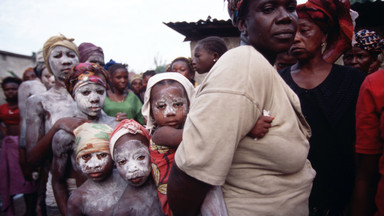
(276, 127)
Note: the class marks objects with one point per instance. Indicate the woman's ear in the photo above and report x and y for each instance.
(324, 38)
(215, 56)
(242, 25)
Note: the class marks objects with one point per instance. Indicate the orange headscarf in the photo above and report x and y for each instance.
(333, 18)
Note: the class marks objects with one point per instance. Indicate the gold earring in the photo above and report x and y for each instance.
(323, 44)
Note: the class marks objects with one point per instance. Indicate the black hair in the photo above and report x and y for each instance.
(10, 80)
(116, 66)
(213, 44)
(39, 69)
(149, 73)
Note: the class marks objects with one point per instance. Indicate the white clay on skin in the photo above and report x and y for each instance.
(61, 60)
(90, 98)
(170, 101)
(94, 164)
(128, 161)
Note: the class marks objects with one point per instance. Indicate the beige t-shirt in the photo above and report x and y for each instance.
(268, 176)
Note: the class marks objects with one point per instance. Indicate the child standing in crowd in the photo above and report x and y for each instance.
(100, 193)
(129, 149)
(166, 105)
(183, 66)
(207, 51)
(119, 102)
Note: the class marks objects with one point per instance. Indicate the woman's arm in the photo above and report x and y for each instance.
(185, 193)
(367, 177)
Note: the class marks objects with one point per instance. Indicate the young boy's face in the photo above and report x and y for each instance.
(132, 160)
(96, 166)
(169, 105)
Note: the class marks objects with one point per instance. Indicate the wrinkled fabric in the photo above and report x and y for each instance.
(92, 137)
(88, 49)
(333, 18)
(127, 126)
(12, 180)
(85, 73)
(146, 109)
(369, 41)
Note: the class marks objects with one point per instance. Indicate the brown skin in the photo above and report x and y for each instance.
(367, 177)
(43, 148)
(137, 86)
(10, 91)
(311, 69)
(359, 59)
(261, 28)
(119, 81)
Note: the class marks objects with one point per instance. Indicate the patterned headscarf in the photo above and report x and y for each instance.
(88, 49)
(234, 10)
(369, 41)
(146, 108)
(333, 18)
(92, 137)
(84, 73)
(127, 126)
(136, 77)
(55, 41)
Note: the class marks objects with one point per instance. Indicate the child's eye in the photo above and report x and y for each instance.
(122, 162)
(178, 104)
(58, 55)
(100, 92)
(142, 157)
(86, 157)
(161, 106)
(103, 155)
(85, 93)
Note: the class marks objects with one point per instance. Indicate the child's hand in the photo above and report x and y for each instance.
(261, 127)
(120, 116)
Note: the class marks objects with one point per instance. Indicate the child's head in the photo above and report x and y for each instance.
(129, 147)
(166, 101)
(183, 66)
(207, 52)
(87, 85)
(92, 152)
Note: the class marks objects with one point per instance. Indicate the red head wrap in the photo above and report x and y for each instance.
(333, 18)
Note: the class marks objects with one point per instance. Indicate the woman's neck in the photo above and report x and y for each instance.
(312, 65)
(271, 57)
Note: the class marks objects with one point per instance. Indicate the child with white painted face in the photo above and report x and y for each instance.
(87, 86)
(166, 105)
(129, 149)
(100, 193)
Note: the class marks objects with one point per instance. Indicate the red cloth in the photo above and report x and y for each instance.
(9, 116)
(370, 126)
(333, 17)
(162, 159)
(12, 181)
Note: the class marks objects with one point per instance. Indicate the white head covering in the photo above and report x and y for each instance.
(146, 109)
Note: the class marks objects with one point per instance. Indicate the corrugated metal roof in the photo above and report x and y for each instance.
(204, 28)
